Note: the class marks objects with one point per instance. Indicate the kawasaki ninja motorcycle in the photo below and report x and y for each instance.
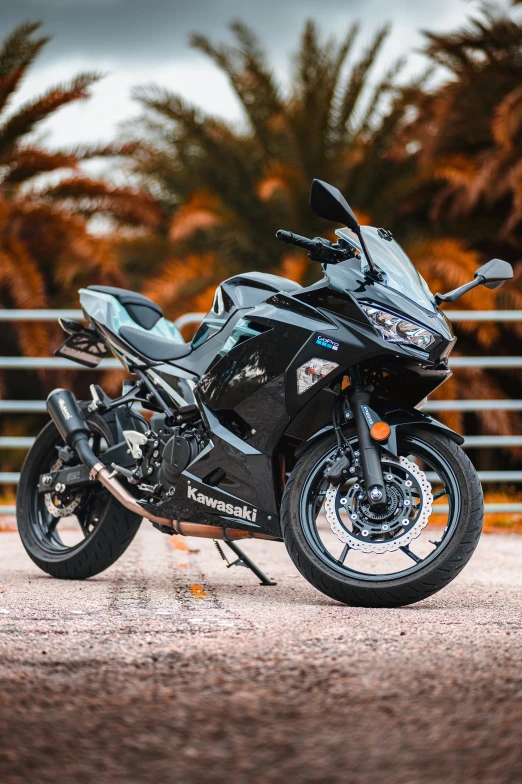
(294, 415)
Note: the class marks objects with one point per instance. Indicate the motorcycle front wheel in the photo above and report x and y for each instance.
(396, 554)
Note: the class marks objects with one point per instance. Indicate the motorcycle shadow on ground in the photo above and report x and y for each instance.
(167, 569)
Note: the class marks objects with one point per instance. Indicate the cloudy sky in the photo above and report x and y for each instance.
(138, 42)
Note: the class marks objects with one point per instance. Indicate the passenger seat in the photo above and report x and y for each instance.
(142, 310)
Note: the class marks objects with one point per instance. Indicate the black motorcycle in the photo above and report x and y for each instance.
(292, 415)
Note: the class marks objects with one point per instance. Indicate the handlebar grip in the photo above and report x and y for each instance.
(284, 236)
(295, 239)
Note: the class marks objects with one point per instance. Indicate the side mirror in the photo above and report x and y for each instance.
(329, 203)
(494, 273)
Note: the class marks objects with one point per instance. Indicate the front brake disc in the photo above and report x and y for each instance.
(360, 532)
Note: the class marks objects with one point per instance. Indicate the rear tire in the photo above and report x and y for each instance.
(115, 528)
(399, 591)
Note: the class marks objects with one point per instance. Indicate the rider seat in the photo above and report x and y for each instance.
(153, 347)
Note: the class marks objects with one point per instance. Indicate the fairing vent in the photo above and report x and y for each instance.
(313, 416)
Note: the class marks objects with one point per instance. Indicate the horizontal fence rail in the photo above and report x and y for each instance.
(488, 508)
(468, 405)
(53, 363)
(481, 442)
(38, 406)
(16, 442)
(504, 363)
(39, 315)
(483, 315)
(59, 363)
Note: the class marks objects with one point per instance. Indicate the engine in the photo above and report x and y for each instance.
(162, 454)
(180, 450)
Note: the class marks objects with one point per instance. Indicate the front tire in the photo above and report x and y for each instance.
(331, 575)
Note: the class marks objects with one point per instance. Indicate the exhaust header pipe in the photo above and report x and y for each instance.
(102, 474)
(65, 412)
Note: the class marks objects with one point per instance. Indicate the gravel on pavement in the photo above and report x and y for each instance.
(169, 667)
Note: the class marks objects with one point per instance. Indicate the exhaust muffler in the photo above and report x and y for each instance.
(65, 412)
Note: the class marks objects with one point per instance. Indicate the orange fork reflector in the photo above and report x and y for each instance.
(380, 431)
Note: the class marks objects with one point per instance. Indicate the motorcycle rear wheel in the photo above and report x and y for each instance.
(342, 573)
(98, 530)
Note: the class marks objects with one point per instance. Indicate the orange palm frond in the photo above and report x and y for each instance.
(507, 119)
(201, 211)
(293, 267)
(8, 84)
(458, 170)
(33, 161)
(84, 258)
(17, 52)
(182, 281)
(113, 150)
(33, 112)
(20, 276)
(284, 177)
(447, 264)
(88, 196)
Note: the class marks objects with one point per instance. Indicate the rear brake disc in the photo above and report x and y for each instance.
(61, 509)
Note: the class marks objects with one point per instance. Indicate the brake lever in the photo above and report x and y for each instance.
(328, 253)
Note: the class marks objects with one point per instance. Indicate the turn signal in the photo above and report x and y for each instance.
(380, 431)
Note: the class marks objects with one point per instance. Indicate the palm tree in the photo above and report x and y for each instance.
(467, 143)
(469, 129)
(229, 189)
(46, 248)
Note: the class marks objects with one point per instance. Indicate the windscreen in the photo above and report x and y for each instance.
(400, 273)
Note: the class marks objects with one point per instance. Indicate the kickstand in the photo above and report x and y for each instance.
(243, 560)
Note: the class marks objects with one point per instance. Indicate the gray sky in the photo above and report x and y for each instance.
(145, 41)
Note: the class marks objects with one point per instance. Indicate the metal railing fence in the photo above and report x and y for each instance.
(490, 362)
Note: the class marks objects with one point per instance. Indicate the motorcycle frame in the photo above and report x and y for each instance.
(247, 395)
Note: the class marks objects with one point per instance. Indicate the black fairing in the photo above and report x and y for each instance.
(241, 291)
(240, 374)
(247, 388)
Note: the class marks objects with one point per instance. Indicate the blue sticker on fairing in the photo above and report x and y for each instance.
(327, 343)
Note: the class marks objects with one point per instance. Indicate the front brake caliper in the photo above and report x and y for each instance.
(335, 471)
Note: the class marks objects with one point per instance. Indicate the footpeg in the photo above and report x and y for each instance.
(129, 475)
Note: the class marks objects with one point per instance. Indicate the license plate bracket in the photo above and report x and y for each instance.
(84, 347)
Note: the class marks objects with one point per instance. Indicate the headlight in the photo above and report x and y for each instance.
(398, 330)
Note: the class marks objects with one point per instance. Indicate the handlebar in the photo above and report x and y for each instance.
(301, 242)
(318, 249)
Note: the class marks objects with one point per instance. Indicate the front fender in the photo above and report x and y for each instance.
(398, 418)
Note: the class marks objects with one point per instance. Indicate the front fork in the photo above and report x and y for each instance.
(369, 452)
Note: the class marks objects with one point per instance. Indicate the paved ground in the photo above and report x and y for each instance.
(170, 668)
